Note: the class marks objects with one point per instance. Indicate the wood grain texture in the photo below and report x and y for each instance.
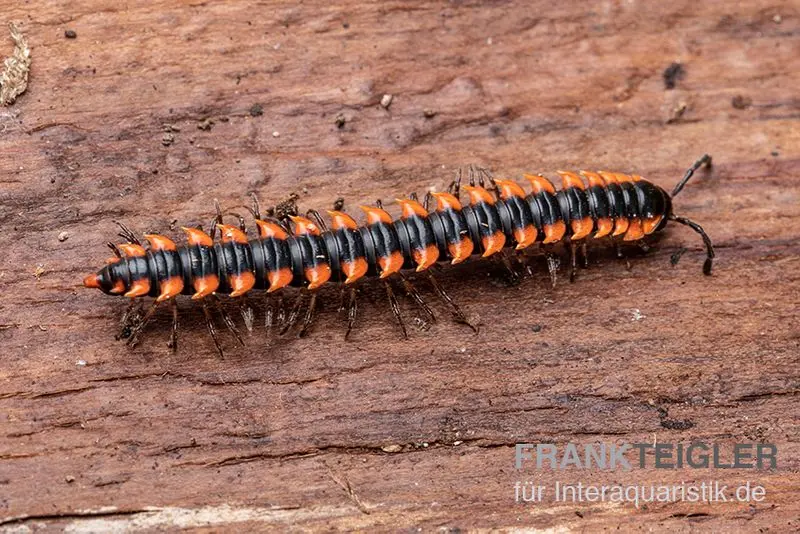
(295, 431)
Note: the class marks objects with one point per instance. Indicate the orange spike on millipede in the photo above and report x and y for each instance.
(478, 194)
(411, 207)
(231, 234)
(376, 215)
(340, 220)
(132, 250)
(540, 183)
(267, 229)
(570, 179)
(446, 201)
(509, 189)
(195, 236)
(160, 242)
(304, 226)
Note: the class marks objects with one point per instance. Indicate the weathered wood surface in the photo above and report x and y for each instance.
(295, 431)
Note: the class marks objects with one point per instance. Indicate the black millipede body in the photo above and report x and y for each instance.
(304, 252)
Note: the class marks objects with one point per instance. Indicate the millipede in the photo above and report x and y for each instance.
(302, 251)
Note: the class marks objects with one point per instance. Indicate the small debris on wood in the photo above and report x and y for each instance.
(392, 448)
(672, 74)
(69, 479)
(386, 100)
(673, 424)
(676, 256)
(429, 113)
(340, 121)
(80, 363)
(39, 271)
(70, 34)
(170, 128)
(677, 112)
(741, 102)
(637, 315)
(63, 236)
(205, 124)
(167, 139)
(256, 110)
(276, 133)
(338, 204)
(14, 79)
(285, 208)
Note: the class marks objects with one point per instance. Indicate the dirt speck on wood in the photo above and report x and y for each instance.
(14, 78)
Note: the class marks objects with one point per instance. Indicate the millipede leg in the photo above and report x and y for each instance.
(294, 314)
(457, 313)
(573, 261)
(395, 308)
(585, 254)
(314, 214)
(309, 317)
(621, 255)
(133, 340)
(488, 175)
(216, 220)
(173, 336)
(269, 311)
(476, 171)
(129, 320)
(255, 210)
(455, 186)
(127, 234)
(352, 311)
(514, 275)
(248, 315)
(115, 249)
(426, 202)
(521, 257)
(553, 262)
(211, 328)
(226, 318)
(414, 294)
(342, 296)
(280, 317)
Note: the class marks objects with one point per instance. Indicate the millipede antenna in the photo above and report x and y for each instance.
(704, 160)
(707, 240)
